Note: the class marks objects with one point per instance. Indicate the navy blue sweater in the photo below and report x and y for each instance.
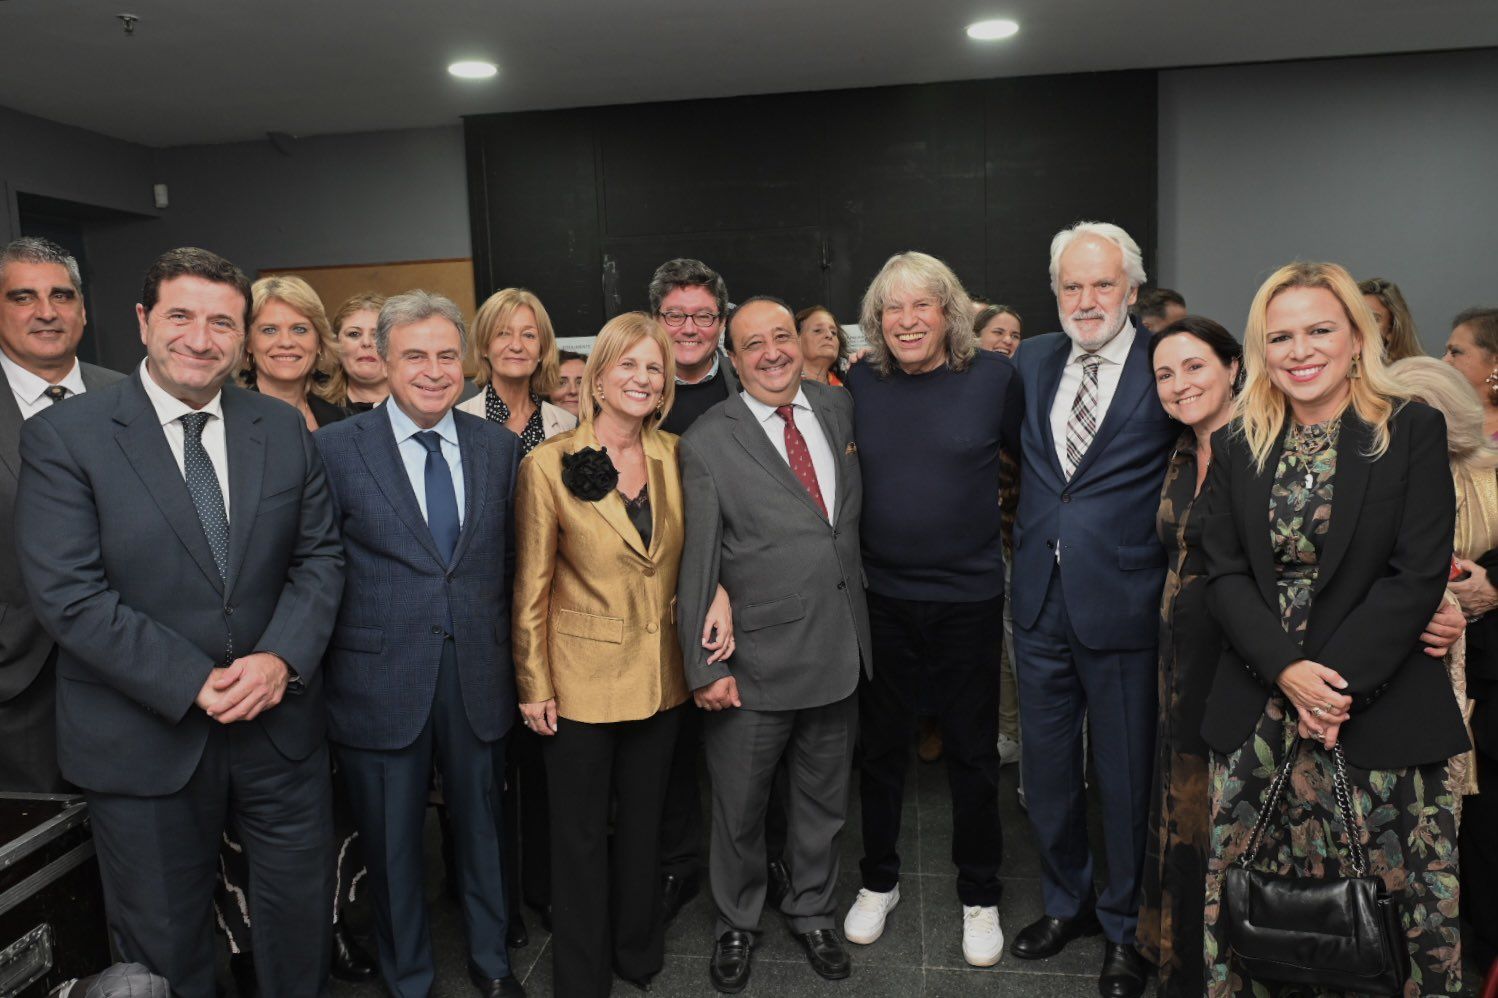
(928, 448)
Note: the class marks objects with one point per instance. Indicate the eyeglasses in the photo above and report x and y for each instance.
(675, 318)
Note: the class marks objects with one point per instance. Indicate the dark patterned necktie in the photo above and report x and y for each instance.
(202, 485)
(1082, 426)
(56, 393)
(442, 498)
(799, 457)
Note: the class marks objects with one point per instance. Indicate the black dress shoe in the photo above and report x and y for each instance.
(778, 882)
(676, 892)
(826, 953)
(515, 935)
(351, 962)
(730, 965)
(242, 969)
(638, 983)
(1124, 972)
(1048, 936)
(501, 987)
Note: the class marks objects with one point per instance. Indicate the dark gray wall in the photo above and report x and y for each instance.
(38, 156)
(377, 197)
(1385, 165)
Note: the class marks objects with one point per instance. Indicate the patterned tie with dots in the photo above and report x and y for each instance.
(56, 393)
(799, 457)
(202, 484)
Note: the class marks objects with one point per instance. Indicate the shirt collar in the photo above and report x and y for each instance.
(405, 428)
(765, 412)
(168, 407)
(710, 375)
(31, 387)
(1115, 351)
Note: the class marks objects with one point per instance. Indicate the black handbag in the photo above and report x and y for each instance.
(1341, 934)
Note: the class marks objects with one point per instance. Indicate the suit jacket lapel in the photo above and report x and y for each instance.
(611, 506)
(93, 378)
(143, 440)
(751, 436)
(1051, 369)
(1349, 485)
(245, 440)
(475, 482)
(1256, 524)
(1137, 378)
(832, 435)
(376, 443)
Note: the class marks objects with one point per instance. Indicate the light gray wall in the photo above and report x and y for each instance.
(376, 197)
(1386, 165)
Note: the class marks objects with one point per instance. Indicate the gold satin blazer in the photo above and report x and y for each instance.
(595, 612)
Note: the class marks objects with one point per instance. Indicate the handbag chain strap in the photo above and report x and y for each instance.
(1350, 823)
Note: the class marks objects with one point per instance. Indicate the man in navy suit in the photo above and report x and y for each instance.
(1087, 575)
(419, 669)
(176, 538)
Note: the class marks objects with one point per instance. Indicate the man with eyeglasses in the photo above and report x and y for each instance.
(690, 301)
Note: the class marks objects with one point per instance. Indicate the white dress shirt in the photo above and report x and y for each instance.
(822, 459)
(1112, 354)
(31, 391)
(414, 454)
(170, 410)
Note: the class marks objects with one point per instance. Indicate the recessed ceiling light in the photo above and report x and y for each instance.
(473, 70)
(988, 31)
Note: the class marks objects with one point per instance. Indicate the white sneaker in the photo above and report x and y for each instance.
(1008, 750)
(865, 921)
(982, 938)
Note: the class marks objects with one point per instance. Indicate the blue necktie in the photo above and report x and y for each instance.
(442, 501)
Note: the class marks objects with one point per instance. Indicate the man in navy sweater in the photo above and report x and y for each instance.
(930, 416)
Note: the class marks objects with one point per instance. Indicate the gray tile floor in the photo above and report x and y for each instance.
(920, 953)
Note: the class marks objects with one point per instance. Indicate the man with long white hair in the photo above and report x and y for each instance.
(1087, 575)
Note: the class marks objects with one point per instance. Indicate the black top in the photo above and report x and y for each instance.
(1380, 574)
(693, 400)
(323, 411)
(354, 408)
(496, 411)
(929, 445)
(638, 509)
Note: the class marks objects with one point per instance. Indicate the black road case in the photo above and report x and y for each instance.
(51, 900)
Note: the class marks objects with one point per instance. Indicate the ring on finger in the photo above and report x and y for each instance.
(1317, 711)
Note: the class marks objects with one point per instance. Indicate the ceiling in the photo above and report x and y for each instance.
(223, 70)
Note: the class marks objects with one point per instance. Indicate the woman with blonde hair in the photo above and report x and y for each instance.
(1327, 536)
(360, 381)
(514, 350)
(289, 353)
(597, 665)
(1396, 327)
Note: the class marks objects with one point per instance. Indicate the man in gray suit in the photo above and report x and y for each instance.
(773, 496)
(41, 321)
(176, 537)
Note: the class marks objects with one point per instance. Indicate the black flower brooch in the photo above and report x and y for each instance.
(589, 474)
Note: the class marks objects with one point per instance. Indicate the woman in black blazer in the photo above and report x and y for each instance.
(1328, 541)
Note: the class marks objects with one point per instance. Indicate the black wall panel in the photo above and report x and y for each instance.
(806, 195)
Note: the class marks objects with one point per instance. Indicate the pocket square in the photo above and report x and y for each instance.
(852, 448)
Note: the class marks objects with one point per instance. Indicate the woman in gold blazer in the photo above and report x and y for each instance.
(599, 522)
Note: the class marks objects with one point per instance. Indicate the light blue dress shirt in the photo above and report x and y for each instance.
(414, 455)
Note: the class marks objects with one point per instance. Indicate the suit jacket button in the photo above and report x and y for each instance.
(842, 584)
(649, 571)
(652, 627)
(436, 629)
(228, 611)
(1050, 543)
(1066, 497)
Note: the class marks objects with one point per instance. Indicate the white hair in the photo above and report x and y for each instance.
(1133, 260)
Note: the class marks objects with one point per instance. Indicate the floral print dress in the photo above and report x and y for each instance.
(1409, 816)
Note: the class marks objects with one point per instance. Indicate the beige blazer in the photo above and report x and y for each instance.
(554, 419)
(595, 611)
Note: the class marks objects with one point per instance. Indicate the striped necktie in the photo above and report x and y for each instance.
(1081, 427)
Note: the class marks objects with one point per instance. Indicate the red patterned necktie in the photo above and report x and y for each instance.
(800, 457)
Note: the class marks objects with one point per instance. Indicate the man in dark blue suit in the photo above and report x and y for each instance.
(1087, 575)
(419, 669)
(176, 539)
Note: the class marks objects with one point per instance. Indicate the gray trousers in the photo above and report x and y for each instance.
(744, 747)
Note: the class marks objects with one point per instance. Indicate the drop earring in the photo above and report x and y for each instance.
(1355, 371)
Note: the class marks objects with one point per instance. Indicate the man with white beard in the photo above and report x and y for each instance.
(1087, 575)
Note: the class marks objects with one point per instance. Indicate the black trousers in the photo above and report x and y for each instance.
(605, 892)
(682, 835)
(945, 657)
(1479, 862)
(389, 793)
(526, 822)
(28, 737)
(158, 858)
